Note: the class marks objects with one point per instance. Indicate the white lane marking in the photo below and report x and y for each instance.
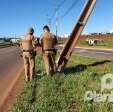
(82, 50)
(99, 52)
(92, 51)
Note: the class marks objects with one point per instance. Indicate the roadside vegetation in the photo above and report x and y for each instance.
(107, 43)
(103, 41)
(5, 43)
(65, 91)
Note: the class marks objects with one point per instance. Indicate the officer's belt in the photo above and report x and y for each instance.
(27, 50)
(49, 49)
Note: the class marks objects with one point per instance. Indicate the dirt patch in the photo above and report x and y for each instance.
(10, 100)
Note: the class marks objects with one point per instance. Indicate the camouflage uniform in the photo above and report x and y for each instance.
(28, 47)
(48, 42)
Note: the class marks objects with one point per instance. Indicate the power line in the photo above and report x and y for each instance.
(70, 8)
(60, 5)
(57, 8)
(54, 17)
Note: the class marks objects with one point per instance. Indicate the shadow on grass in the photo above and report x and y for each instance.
(81, 67)
(75, 69)
(99, 63)
(34, 93)
(35, 84)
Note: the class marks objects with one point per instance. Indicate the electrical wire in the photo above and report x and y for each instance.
(57, 9)
(70, 8)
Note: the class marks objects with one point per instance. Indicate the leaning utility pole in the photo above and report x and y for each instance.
(70, 45)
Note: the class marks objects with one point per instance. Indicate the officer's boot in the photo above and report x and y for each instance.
(27, 78)
(31, 77)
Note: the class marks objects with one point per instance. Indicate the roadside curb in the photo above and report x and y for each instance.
(10, 88)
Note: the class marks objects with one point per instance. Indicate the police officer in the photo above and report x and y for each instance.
(28, 48)
(48, 43)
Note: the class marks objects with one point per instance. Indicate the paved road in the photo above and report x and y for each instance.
(10, 65)
(101, 54)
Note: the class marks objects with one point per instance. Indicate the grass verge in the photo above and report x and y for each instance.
(104, 44)
(65, 91)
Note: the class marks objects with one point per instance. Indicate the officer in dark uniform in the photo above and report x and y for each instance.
(48, 43)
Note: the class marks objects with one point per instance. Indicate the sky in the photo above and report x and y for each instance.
(16, 16)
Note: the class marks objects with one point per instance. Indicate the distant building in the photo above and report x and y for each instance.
(111, 31)
(65, 36)
(84, 33)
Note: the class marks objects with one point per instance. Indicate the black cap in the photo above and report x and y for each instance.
(30, 30)
(46, 27)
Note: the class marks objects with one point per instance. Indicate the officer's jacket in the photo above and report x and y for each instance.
(48, 41)
(28, 42)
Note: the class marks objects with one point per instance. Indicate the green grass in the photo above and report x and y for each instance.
(64, 92)
(104, 43)
(107, 43)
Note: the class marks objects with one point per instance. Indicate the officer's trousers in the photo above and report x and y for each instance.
(49, 62)
(29, 65)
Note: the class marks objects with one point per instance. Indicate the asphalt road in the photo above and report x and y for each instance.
(10, 65)
(96, 53)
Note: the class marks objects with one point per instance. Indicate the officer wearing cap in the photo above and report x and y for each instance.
(48, 43)
(28, 48)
